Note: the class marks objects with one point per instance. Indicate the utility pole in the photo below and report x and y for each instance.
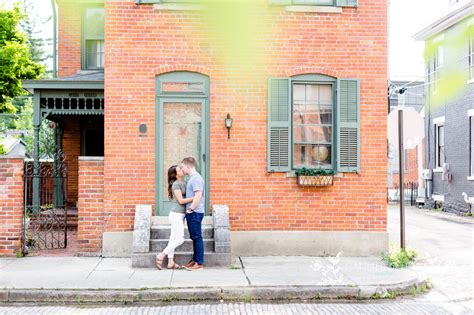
(401, 163)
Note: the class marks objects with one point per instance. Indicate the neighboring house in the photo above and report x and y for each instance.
(413, 96)
(450, 123)
(142, 84)
(13, 146)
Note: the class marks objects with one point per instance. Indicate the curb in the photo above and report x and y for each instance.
(242, 294)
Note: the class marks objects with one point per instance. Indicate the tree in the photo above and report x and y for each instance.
(16, 63)
(19, 60)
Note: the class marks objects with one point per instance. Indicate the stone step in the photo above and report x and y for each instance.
(157, 245)
(147, 260)
(164, 232)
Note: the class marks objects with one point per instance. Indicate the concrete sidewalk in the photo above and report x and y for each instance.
(105, 280)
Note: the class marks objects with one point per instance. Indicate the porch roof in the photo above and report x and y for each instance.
(80, 94)
(81, 80)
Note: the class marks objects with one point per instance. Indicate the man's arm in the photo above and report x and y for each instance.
(196, 200)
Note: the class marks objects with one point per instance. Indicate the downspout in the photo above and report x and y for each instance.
(55, 20)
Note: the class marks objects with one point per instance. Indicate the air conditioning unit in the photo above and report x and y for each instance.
(427, 174)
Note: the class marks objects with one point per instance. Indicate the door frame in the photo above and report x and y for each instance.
(184, 97)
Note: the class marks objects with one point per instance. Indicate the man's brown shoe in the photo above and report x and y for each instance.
(189, 264)
(195, 267)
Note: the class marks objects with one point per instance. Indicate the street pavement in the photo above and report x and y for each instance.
(244, 308)
(445, 244)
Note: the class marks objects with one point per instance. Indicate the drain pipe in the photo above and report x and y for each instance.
(55, 20)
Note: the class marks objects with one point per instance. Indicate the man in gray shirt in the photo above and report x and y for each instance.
(195, 189)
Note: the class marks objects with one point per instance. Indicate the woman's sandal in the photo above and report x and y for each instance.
(175, 266)
(159, 262)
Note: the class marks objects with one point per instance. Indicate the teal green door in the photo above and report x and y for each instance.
(182, 132)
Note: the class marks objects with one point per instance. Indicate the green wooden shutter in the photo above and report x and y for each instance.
(348, 125)
(280, 2)
(279, 132)
(347, 3)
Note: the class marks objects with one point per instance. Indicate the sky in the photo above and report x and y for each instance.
(406, 17)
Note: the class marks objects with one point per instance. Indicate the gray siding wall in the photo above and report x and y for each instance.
(457, 138)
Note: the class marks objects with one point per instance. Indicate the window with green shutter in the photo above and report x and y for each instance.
(93, 52)
(279, 125)
(313, 123)
(348, 125)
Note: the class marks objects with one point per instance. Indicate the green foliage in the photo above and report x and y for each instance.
(2, 149)
(313, 172)
(399, 258)
(16, 63)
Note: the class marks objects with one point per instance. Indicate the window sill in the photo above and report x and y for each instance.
(438, 170)
(178, 7)
(471, 178)
(312, 8)
(470, 81)
(292, 174)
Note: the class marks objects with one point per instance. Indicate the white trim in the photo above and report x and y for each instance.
(470, 81)
(439, 120)
(470, 178)
(470, 112)
(90, 158)
(438, 170)
(313, 8)
(438, 197)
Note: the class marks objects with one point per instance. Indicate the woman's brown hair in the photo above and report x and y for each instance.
(171, 179)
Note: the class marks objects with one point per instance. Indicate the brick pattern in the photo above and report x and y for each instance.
(69, 38)
(11, 205)
(91, 223)
(142, 43)
(72, 150)
(411, 174)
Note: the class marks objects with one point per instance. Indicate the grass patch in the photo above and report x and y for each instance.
(399, 258)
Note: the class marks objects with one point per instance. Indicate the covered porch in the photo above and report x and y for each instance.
(70, 109)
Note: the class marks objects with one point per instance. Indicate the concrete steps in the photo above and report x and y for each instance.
(212, 259)
(164, 232)
(157, 245)
(159, 236)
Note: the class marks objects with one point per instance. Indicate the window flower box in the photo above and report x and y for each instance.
(314, 177)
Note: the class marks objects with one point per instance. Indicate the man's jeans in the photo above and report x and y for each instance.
(194, 221)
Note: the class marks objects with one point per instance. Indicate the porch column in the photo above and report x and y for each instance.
(36, 163)
(58, 166)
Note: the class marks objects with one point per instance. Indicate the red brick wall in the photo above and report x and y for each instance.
(91, 223)
(11, 205)
(411, 174)
(69, 38)
(142, 42)
(72, 150)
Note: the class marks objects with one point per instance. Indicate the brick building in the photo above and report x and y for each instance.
(142, 84)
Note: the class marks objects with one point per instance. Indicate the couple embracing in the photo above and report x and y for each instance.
(188, 202)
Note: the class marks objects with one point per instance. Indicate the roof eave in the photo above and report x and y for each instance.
(31, 85)
(445, 21)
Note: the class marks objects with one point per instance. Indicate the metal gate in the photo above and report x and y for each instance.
(45, 213)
